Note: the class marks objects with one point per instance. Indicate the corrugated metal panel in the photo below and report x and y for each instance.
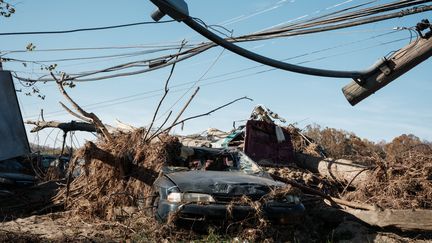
(13, 138)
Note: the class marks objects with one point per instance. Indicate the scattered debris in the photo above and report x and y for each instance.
(108, 185)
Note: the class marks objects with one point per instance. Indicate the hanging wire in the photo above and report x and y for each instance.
(136, 97)
(280, 32)
(84, 29)
(194, 84)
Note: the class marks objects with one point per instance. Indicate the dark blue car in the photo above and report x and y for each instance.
(214, 184)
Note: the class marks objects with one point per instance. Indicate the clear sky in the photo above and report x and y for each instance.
(404, 106)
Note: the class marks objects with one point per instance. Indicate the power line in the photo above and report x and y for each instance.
(291, 30)
(194, 84)
(173, 44)
(128, 54)
(157, 92)
(300, 55)
(84, 29)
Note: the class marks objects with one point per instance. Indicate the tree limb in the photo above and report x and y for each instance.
(185, 106)
(156, 133)
(164, 95)
(75, 114)
(207, 113)
(95, 120)
(64, 126)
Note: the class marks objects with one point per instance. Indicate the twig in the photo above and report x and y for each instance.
(155, 134)
(75, 114)
(95, 120)
(185, 106)
(323, 195)
(207, 113)
(349, 184)
(164, 95)
(42, 115)
(160, 102)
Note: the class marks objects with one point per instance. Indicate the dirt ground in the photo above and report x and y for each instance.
(69, 227)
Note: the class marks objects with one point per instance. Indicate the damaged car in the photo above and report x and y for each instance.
(221, 184)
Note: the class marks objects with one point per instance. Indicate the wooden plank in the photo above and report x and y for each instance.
(406, 220)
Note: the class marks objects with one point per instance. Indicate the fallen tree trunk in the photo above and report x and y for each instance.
(341, 170)
(406, 220)
(64, 126)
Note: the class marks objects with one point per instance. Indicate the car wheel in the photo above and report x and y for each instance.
(155, 206)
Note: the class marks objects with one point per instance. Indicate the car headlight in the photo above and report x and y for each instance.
(189, 197)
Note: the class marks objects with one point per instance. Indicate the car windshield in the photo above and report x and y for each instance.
(246, 164)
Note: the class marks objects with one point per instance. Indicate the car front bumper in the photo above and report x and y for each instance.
(281, 212)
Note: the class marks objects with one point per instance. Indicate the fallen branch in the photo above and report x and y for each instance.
(204, 114)
(166, 90)
(344, 171)
(95, 120)
(334, 200)
(64, 126)
(185, 106)
(140, 173)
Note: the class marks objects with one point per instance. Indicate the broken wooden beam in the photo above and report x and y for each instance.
(406, 219)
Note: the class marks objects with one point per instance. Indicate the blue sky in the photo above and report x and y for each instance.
(404, 106)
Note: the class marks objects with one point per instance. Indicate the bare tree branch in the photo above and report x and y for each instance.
(205, 114)
(64, 126)
(75, 114)
(164, 95)
(42, 115)
(184, 107)
(155, 134)
(160, 102)
(95, 120)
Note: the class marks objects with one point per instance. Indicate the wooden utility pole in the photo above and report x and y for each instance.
(399, 63)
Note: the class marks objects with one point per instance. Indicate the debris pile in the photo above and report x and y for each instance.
(114, 186)
(117, 173)
(400, 182)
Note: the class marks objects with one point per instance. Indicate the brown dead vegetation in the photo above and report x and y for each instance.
(402, 178)
(402, 181)
(115, 186)
(117, 173)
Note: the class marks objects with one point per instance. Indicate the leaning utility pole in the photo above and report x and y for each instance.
(399, 63)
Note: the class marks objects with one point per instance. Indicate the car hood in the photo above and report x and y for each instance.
(222, 182)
